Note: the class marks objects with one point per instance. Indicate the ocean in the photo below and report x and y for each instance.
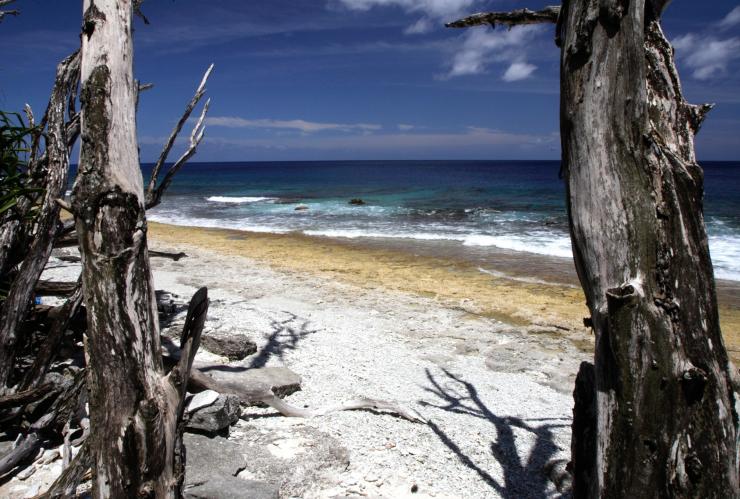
(472, 206)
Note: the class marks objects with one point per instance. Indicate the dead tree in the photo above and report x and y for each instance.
(135, 408)
(50, 173)
(655, 414)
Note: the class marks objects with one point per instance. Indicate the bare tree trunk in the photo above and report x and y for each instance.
(56, 166)
(134, 407)
(664, 400)
(663, 405)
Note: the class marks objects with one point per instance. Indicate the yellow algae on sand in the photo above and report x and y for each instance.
(456, 283)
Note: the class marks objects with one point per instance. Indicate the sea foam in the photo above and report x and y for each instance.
(238, 199)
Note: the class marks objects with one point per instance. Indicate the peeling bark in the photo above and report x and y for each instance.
(663, 402)
(135, 409)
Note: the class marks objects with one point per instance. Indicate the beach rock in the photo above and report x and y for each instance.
(357, 202)
(298, 459)
(200, 400)
(229, 487)
(211, 457)
(166, 305)
(301, 207)
(281, 380)
(232, 346)
(220, 414)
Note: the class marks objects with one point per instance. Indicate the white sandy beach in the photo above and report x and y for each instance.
(497, 397)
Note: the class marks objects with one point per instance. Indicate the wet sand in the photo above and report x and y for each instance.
(518, 288)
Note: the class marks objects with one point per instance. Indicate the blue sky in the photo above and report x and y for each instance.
(362, 79)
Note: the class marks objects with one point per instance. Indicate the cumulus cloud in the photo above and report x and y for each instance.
(434, 12)
(706, 55)
(298, 125)
(481, 47)
(518, 71)
(731, 19)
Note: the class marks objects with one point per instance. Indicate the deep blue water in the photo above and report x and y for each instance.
(512, 205)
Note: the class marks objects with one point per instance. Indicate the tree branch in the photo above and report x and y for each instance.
(4, 13)
(152, 193)
(513, 18)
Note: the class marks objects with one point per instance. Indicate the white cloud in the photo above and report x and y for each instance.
(405, 128)
(423, 25)
(470, 137)
(435, 12)
(519, 70)
(706, 55)
(731, 19)
(299, 125)
(482, 46)
(436, 8)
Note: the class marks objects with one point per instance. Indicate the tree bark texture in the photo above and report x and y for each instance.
(664, 403)
(135, 407)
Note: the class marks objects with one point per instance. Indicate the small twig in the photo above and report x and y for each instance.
(29, 114)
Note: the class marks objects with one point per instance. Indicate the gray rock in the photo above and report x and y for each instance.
(207, 457)
(213, 418)
(298, 459)
(232, 346)
(229, 487)
(281, 380)
(200, 400)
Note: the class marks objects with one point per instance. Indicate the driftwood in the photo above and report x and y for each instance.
(62, 316)
(164, 254)
(262, 393)
(54, 288)
(63, 409)
(656, 413)
(24, 397)
(15, 306)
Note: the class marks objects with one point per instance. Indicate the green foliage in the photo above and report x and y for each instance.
(14, 148)
(15, 182)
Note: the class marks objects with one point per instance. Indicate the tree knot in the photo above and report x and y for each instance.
(693, 382)
(90, 18)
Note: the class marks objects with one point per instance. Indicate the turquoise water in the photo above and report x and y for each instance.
(510, 205)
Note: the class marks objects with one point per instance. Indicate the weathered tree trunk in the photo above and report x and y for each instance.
(53, 168)
(134, 407)
(663, 401)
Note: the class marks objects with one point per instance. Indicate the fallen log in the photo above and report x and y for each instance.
(60, 413)
(55, 288)
(164, 254)
(25, 397)
(261, 392)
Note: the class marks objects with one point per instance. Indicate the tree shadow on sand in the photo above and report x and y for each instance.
(284, 337)
(521, 479)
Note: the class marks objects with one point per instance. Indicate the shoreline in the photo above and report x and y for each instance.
(529, 291)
